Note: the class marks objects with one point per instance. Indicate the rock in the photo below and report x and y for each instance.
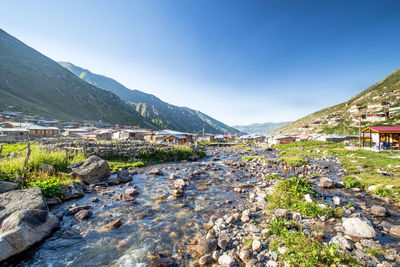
(53, 201)
(179, 184)
(216, 254)
(91, 170)
(76, 189)
(206, 259)
(25, 199)
(156, 171)
(83, 215)
(47, 168)
(379, 211)
(23, 229)
(131, 192)
(308, 198)
(112, 225)
(94, 199)
(245, 255)
(229, 219)
(113, 180)
(326, 183)
(337, 201)
(226, 260)
(395, 230)
(342, 242)
(74, 209)
(7, 186)
(272, 263)
(178, 193)
(193, 157)
(206, 246)
(256, 245)
(245, 216)
(66, 192)
(281, 213)
(358, 228)
(371, 188)
(173, 176)
(124, 176)
(223, 241)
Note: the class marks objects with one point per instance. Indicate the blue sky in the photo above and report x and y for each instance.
(238, 61)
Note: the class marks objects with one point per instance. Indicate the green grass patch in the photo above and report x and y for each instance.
(50, 185)
(274, 176)
(251, 158)
(294, 160)
(351, 182)
(374, 252)
(248, 150)
(116, 164)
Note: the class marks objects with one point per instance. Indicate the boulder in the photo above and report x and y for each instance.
(124, 176)
(7, 186)
(131, 192)
(156, 171)
(23, 229)
(83, 215)
(326, 183)
(16, 200)
(357, 227)
(91, 170)
(281, 213)
(179, 184)
(193, 157)
(342, 242)
(226, 260)
(112, 225)
(395, 230)
(379, 211)
(66, 192)
(223, 241)
(206, 259)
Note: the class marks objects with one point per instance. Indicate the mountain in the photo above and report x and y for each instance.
(160, 113)
(379, 105)
(35, 84)
(260, 128)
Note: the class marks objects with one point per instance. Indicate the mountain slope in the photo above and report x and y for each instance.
(371, 106)
(36, 84)
(260, 128)
(162, 114)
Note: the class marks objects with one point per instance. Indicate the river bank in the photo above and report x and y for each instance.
(214, 211)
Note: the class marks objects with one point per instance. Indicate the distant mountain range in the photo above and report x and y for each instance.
(260, 128)
(379, 105)
(162, 114)
(35, 84)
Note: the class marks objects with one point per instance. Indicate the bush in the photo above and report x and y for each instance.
(50, 185)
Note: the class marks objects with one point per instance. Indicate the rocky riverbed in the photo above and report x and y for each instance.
(211, 211)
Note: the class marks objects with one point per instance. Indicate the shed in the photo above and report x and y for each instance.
(382, 137)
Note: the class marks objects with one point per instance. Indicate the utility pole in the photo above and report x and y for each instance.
(203, 130)
(359, 132)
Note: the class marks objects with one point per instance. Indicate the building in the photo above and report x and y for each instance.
(280, 140)
(13, 134)
(166, 136)
(381, 137)
(37, 131)
(136, 134)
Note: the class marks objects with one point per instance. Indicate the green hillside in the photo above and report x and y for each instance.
(378, 105)
(160, 113)
(33, 83)
(260, 128)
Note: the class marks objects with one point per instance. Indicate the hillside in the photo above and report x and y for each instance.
(35, 84)
(378, 105)
(160, 113)
(260, 128)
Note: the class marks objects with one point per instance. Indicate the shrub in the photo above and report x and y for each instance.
(50, 185)
(383, 191)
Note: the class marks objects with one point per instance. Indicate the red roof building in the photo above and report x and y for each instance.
(381, 137)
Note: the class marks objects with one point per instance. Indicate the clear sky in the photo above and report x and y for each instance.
(238, 61)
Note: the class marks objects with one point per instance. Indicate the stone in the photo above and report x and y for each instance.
(47, 168)
(337, 201)
(229, 219)
(124, 176)
(371, 188)
(342, 242)
(379, 211)
(193, 157)
(357, 227)
(206, 259)
(245, 255)
(272, 263)
(179, 184)
(256, 246)
(131, 192)
(224, 241)
(7, 186)
(172, 176)
(24, 228)
(156, 171)
(94, 199)
(25, 199)
(76, 189)
(113, 180)
(226, 260)
(83, 215)
(112, 225)
(281, 213)
(245, 216)
(395, 230)
(206, 246)
(91, 170)
(178, 193)
(308, 198)
(53, 201)
(66, 192)
(216, 254)
(326, 183)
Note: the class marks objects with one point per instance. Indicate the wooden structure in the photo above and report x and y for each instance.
(382, 137)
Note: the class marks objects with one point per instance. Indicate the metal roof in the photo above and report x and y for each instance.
(393, 129)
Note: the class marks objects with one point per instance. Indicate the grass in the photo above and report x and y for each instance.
(274, 176)
(289, 195)
(116, 164)
(294, 160)
(373, 252)
(302, 250)
(251, 158)
(351, 182)
(239, 146)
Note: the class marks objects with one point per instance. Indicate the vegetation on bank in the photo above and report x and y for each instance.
(27, 173)
(364, 167)
(289, 194)
(302, 249)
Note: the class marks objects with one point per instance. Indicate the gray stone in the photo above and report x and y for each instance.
(226, 260)
(66, 192)
(357, 227)
(326, 183)
(47, 168)
(7, 186)
(337, 201)
(256, 246)
(91, 170)
(379, 211)
(245, 216)
(281, 213)
(16, 200)
(131, 192)
(156, 171)
(342, 242)
(223, 241)
(206, 246)
(23, 229)
(83, 215)
(394, 230)
(124, 176)
(206, 259)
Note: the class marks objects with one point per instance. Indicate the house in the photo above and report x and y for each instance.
(75, 131)
(167, 136)
(381, 137)
(175, 139)
(356, 108)
(13, 134)
(280, 140)
(206, 138)
(37, 131)
(137, 134)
